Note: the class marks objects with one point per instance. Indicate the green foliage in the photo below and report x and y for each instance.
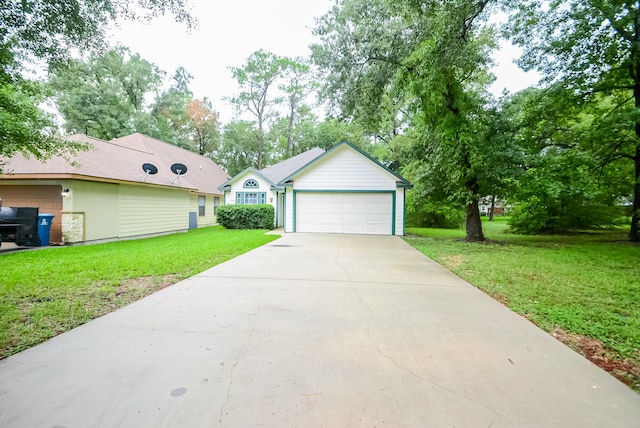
(256, 79)
(565, 184)
(259, 216)
(558, 193)
(168, 117)
(24, 127)
(104, 96)
(48, 30)
(591, 49)
(43, 293)
(239, 148)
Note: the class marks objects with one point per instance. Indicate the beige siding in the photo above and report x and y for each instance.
(97, 204)
(209, 219)
(146, 210)
(345, 169)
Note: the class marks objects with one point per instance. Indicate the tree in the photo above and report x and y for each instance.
(563, 186)
(48, 30)
(592, 48)
(24, 127)
(205, 129)
(297, 85)
(256, 79)
(239, 147)
(169, 111)
(104, 96)
(429, 59)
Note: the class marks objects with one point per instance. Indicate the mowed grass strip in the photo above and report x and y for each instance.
(49, 291)
(586, 284)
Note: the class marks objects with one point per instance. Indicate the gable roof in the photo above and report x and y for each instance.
(277, 172)
(121, 159)
(227, 184)
(274, 173)
(402, 182)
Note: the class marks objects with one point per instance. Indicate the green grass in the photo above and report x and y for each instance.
(49, 291)
(587, 283)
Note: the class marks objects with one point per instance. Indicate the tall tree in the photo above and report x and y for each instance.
(429, 56)
(297, 84)
(239, 147)
(592, 48)
(105, 95)
(24, 127)
(256, 79)
(48, 30)
(205, 129)
(169, 112)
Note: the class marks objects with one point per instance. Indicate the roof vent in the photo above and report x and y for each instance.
(149, 169)
(178, 169)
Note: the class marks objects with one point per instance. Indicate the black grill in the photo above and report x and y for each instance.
(19, 225)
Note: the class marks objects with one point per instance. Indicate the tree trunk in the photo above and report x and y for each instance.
(493, 207)
(291, 113)
(260, 142)
(474, 224)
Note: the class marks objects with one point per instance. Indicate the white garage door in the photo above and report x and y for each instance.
(360, 213)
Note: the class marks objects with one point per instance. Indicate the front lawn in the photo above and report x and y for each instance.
(582, 288)
(49, 291)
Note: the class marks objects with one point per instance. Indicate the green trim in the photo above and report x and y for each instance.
(277, 200)
(348, 144)
(240, 174)
(253, 180)
(393, 203)
(404, 212)
(259, 196)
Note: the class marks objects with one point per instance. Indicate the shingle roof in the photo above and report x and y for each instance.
(277, 172)
(121, 159)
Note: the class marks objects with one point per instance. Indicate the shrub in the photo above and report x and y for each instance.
(246, 216)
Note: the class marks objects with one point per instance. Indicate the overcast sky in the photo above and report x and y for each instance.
(229, 32)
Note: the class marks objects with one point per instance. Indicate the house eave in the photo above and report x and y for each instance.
(82, 177)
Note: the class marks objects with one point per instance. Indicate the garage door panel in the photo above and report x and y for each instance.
(356, 213)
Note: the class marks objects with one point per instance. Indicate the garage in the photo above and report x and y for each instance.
(47, 198)
(345, 212)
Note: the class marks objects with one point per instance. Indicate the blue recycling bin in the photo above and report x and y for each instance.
(44, 228)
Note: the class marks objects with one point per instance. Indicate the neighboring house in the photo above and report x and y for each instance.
(342, 190)
(485, 204)
(121, 188)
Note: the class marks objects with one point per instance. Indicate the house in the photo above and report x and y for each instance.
(341, 190)
(128, 187)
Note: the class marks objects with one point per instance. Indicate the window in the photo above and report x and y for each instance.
(216, 204)
(251, 184)
(202, 200)
(251, 198)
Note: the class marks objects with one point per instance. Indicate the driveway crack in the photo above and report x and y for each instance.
(236, 362)
(374, 344)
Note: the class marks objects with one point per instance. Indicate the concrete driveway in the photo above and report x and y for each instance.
(312, 331)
